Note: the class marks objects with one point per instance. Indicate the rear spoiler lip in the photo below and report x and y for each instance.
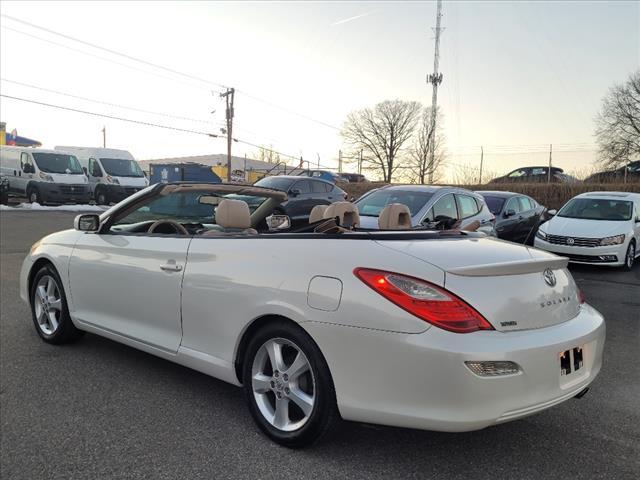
(510, 268)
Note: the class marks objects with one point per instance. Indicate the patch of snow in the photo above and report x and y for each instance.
(56, 208)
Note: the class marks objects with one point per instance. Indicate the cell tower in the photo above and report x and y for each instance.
(435, 79)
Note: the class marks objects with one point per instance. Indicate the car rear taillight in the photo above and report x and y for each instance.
(425, 300)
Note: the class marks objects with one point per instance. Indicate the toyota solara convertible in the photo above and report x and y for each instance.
(435, 329)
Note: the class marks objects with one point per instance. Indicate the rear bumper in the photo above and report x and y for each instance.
(62, 193)
(587, 255)
(421, 380)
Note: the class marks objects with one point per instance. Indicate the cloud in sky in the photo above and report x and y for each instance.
(350, 19)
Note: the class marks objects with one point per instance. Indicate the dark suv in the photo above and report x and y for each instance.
(304, 194)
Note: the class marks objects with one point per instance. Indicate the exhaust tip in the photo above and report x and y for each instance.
(582, 393)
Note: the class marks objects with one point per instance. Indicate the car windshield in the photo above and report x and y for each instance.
(58, 163)
(276, 183)
(597, 209)
(495, 204)
(372, 204)
(121, 167)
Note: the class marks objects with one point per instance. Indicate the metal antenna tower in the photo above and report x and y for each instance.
(435, 79)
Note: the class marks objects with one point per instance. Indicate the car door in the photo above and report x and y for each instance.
(510, 221)
(94, 172)
(301, 205)
(468, 209)
(529, 218)
(129, 283)
(321, 193)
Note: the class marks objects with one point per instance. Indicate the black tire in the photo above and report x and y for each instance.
(33, 196)
(4, 198)
(101, 197)
(66, 331)
(324, 413)
(630, 256)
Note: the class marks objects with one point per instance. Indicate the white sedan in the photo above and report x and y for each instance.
(447, 330)
(598, 228)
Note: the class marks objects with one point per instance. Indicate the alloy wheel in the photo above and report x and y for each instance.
(47, 303)
(631, 254)
(283, 384)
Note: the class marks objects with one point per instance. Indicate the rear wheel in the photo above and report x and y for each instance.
(630, 257)
(288, 386)
(49, 308)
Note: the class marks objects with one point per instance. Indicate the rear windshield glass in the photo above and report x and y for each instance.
(57, 163)
(274, 183)
(597, 209)
(494, 203)
(372, 204)
(121, 167)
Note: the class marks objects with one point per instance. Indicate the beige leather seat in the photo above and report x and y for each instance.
(395, 216)
(234, 217)
(347, 213)
(317, 213)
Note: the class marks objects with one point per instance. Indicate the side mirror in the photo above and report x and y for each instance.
(278, 222)
(294, 192)
(28, 168)
(84, 169)
(509, 213)
(552, 213)
(89, 222)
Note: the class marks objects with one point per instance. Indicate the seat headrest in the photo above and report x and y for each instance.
(395, 216)
(347, 212)
(317, 213)
(233, 214)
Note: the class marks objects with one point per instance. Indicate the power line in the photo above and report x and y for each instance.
(101, 102)
(113, 117)
(161, 67)
(113, 52)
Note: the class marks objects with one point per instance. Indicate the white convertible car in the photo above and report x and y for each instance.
(438, 330)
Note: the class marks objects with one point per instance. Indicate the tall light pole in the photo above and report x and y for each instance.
(435, 79)
(228, 95)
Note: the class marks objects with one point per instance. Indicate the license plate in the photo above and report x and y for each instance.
(571, 361)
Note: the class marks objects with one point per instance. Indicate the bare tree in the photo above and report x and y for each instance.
(422, 165)
(382, 132)
(618, 123)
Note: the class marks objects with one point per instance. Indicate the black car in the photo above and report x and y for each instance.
(304, 194)
(535, 175)
(517, 215)
(632, 173)
(352, 177)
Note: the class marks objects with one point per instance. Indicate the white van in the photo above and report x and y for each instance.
(113, 174)
(44, 176)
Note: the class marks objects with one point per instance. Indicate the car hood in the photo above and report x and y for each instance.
(577, 227)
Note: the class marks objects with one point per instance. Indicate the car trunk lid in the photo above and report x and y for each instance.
(512, 286)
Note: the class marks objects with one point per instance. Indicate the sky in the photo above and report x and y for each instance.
(517, 76)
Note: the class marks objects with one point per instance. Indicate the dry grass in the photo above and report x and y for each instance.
(550, 195)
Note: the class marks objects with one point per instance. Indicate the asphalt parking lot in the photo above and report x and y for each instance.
(97, 409)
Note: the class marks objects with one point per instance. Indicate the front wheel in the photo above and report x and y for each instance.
(49, 308)
(34, 196)
(288, 386)
(100, 197)
(630, 257)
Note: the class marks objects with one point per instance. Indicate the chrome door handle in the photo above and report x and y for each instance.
(171, 267)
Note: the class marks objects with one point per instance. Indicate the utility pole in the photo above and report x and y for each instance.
(104, 136)
(318, 161)
(549, 173)
(228, 95)
(360, 163)
(435, 79)
(339, 161)
(481, 161)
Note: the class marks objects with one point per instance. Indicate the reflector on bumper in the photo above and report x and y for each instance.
(492, 369)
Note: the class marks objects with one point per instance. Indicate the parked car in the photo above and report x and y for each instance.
(43, 176)
(327, 175)
(317, 326)
(517, 215)
(618, 175)
(535, 175)
(600, 228)
(182, 172)
(430, 206)
(352, 177)
(303, 193)
(113, 174)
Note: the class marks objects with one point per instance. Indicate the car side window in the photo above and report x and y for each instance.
(525, 204)
(94, 168)
(513, 204)
(468, 206)
(303, 186)
(445, 207)
(518, 173)
(539, 171)
(25, 160)
(318, 187)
